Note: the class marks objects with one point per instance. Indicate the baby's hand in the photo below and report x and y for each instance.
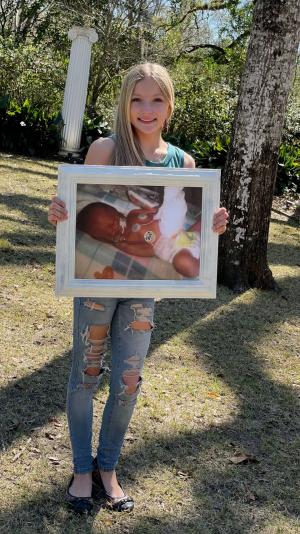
(57, 211)
(220, 220)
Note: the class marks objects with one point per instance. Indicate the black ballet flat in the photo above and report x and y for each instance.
(118, 504)
(80, 505)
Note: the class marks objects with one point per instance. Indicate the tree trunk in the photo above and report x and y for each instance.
(250, 170)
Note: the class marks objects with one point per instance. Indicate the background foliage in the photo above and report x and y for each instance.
(202, 44)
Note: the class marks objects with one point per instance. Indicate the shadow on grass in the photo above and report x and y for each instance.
(30, 401)
(265, 423)
(27, 245)
(30, 171)
(26, 257)
(29, 206)
(284, 254)
(30, 239)
(290, 221)
(45, 512)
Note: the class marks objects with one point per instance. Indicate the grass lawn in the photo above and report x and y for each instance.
(213, 446)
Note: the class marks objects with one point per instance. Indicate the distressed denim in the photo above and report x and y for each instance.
(129, 346)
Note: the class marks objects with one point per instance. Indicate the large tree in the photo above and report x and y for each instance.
(250, 171)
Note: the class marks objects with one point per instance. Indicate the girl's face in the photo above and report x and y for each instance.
(149, 108)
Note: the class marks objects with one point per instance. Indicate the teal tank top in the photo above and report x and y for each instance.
(173, 158)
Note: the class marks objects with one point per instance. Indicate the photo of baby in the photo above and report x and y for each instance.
(137, 233)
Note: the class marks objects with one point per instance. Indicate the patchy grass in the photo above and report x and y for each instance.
(222, 380)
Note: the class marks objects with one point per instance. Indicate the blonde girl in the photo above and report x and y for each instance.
(145, 107)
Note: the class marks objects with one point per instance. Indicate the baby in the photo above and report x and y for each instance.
(148, 231)
(179, 247)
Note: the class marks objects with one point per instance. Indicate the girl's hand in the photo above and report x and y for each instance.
(57, 211)
(220, 220)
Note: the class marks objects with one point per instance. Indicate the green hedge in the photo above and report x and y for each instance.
(27, 130)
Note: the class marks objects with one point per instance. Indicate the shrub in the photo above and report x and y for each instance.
(288, 172)
(28, 130)
(33, 71)
(212, 154)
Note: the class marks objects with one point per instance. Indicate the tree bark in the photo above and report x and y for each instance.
(250, 170)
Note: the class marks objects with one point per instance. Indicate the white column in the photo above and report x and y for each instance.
(76, 87)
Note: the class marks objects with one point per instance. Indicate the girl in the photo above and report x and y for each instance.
(145, 107)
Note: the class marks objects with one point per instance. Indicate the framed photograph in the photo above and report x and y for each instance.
(137, 232)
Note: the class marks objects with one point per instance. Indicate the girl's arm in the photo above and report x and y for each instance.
(99, 153)
(189, 162)
(220, 217)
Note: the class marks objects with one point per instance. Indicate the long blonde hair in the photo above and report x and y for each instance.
(127, 148)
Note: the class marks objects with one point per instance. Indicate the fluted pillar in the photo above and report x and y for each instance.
(76, 87)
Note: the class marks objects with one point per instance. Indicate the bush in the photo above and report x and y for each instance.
(34, 72)
(288, 169)
(204, 104)
(212, 154)
(28, 130)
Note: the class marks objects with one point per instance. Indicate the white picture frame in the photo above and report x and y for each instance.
(70, 176)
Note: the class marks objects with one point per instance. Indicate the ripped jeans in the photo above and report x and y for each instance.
(128, 322)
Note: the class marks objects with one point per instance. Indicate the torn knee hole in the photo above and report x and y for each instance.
(93, 363)
(141, 317)
(131, 379)
(141, 325)
(92, 371)
(98, 332)
(94, 305)
(95, 334)
(95, 339)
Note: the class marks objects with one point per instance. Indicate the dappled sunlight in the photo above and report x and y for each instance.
(283, 270)
(219, 382)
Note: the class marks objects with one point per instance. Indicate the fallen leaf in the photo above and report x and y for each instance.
(130, 438)
(18, 454)
(213, 395)
(53, 419)
(54, 460)
(107, 521)
(243, 459)
(181, 474)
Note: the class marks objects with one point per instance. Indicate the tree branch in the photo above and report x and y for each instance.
(214, 6)
(243, 35)
(221, 50)
(192, 48)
